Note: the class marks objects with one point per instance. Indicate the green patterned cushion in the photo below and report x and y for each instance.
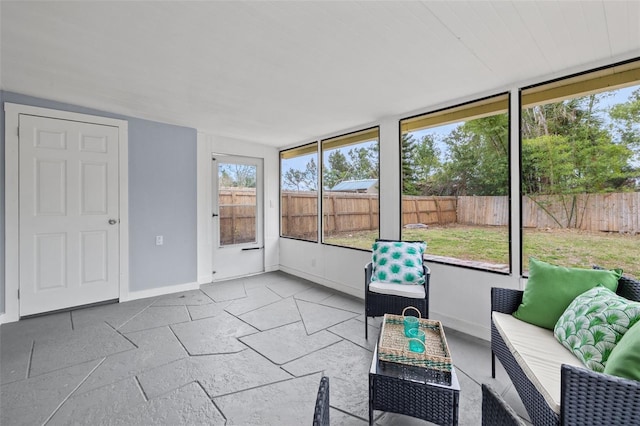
(594, 323)
(551, 288)
(398, 262)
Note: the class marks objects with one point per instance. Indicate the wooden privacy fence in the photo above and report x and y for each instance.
(428, 210)
(343, 212)
(237, 215)
(483, 210)
(299, 210)
(349, 212)
(614, 212)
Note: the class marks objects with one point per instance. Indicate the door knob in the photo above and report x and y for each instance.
(112, 221)
(214, 215)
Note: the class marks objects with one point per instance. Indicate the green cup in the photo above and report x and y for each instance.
(410, 323)
(416, 340)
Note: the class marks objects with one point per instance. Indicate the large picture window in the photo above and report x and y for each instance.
(581, 170)
(299, 192)
(455, 183)
(350, 189)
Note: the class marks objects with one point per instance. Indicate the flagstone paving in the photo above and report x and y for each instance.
(249, 351)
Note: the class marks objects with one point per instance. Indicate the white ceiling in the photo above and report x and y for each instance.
(280, 73)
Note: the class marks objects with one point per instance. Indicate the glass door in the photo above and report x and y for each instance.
(238, 216)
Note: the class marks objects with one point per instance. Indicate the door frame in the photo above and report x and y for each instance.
(12, 210)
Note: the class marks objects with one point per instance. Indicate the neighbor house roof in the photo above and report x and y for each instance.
(355, 185)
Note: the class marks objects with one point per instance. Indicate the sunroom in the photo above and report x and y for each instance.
(256, 150)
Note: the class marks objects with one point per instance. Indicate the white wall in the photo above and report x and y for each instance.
(335, 267)
(208, 144)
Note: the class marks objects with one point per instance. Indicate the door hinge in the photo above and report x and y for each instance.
(18, 132)
(213, 272)
(18, 294)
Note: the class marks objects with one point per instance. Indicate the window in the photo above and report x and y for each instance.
(299, 192)
(581, 170)
(350, 189)
(455, 183)
(237, 202)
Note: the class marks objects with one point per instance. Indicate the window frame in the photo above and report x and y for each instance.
(321, 181)
(280, 179)
(457, 109)
(611, 77)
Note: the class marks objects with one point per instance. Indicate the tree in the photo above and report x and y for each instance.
(626, 126)
(336, 170)
(567, 149)
(302, 180)
(237, 175)
(476, 162)
(363, 163)
(427, 158)
(410, 184)
(546, 165)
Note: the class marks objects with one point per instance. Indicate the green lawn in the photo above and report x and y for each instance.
(566, 247)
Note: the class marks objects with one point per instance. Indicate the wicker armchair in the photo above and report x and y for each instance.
(587, 397)
(377, 304)
(495, 411)
(321, 413)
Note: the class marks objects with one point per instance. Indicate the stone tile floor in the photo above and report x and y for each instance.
(248, 351)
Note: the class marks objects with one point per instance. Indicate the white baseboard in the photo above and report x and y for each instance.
(272, 268)
(357, 292)
(6, 318)
(205, 279)
(160, 291)
(472, 329)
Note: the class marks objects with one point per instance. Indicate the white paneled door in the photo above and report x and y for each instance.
(68, 201)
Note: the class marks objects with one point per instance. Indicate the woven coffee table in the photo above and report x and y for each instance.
(412, 391)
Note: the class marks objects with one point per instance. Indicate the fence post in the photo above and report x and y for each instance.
(371, 214)
(286, 231)
(438, 209)
(233, 216)
(336, 226)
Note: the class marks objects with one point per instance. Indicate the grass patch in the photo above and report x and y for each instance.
(566, 247)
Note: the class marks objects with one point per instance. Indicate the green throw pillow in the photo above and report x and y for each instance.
(398, 262)
(624, 360)
(551, 288)
(594, 323)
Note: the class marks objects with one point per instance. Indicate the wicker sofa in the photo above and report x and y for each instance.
(586, 397)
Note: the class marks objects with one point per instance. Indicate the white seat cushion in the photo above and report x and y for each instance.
(404, 290)
(538, 353)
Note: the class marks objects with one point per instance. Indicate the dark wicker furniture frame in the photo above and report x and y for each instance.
(376, 304)
(390, 390)
(321, 412)
(587, 397)
(495, 411)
